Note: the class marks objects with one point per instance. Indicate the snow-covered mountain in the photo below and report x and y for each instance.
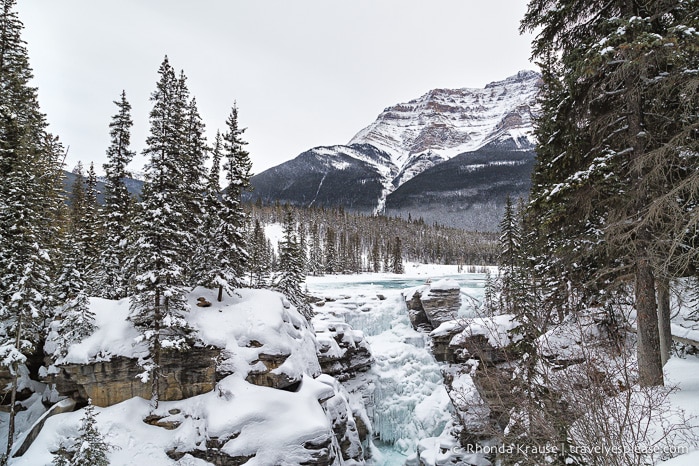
(447, 122)
(406, 141)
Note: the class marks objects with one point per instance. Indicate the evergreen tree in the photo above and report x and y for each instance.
(73, 319)
(111, 280)
(163, 244)
(89, 230)
(259, 263)
(488, 304)
(89, 448)
(510, 243)
(397, 256)
(196, 179)
(30, 163)
(613, 176)
(331, 261)
(231, 254)
(288, 280)
(375, 257)
(303, 246)
(78, 197)
(315, 254)
(207, 248)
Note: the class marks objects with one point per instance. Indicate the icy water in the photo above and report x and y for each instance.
(403, 391)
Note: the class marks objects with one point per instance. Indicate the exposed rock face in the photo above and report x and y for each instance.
(431, 305)
(416, 313)
(442, 302)
(212, 454)
(349, 434)
(63, 406)
(263, 372)
(447, 349)
(447, 122)
(479, 384)
(342, 351)
(441, 349)
(186, 374)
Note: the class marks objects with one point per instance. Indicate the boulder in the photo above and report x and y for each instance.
(263, 372)
(441, 302)
(341, 351)
(416, 313)
(432, 304)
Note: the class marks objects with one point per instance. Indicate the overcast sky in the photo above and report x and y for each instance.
(305, 73)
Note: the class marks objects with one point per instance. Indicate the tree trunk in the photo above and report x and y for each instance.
(13, 393)
(663, 286)
(155, 373)
(650, 367)
(220, 291)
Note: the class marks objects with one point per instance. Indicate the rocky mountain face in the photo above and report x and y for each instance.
(450, 156)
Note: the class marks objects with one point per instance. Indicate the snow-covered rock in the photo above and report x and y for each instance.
(342, 351)
(252, 335)
(265, 403)
(433, 304)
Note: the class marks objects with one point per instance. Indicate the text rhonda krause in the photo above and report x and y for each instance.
(592, 450)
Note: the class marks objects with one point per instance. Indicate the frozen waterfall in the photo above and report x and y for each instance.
(403, 391)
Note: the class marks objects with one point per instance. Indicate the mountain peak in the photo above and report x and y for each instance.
(523, 76)
(443, 123)
(450, 155)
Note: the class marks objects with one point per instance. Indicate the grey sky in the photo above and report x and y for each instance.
(304, 72)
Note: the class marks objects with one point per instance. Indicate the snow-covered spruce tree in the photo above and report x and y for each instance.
(331, 259)
(230, 255)
(290, 275)
(89, 448)
(90, 232)
(259, 264)
(111, 280)
(196, 178)
(315, 252)
(623, 122)
(375, 256)
(30, 185)
(510, 243)
(206, 266)
(162, 244)
(397, 256)
(73, 319)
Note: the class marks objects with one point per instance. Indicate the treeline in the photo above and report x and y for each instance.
(339, 241)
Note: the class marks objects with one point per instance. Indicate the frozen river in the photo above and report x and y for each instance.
(403, 391)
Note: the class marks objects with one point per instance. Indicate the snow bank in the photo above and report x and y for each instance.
(445, 284)
(244, 420)
(497, 329)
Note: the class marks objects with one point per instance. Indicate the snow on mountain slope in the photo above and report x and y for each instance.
(406, 141)
(446, 122)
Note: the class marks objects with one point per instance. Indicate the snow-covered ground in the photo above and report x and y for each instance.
(247, 419)
(684, 373)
